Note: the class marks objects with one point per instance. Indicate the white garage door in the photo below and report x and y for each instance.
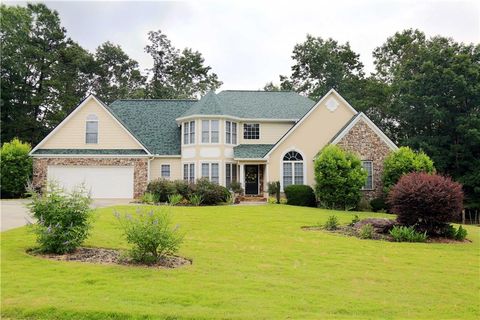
(102, 182)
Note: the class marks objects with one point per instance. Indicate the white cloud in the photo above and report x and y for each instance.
(249, 43)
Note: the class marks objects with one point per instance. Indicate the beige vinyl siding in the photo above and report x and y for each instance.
(175, 168)
(270, 132)
(310, 137)
(111, 135)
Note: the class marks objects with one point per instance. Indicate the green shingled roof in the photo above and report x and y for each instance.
(252, 104)
(251, 151)
(152, 122)
(91, 151)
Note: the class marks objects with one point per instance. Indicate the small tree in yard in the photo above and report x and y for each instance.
(427, 202)
(339, 177)
(16, 168)
(404, 161)
(63, 219)
(151, 235)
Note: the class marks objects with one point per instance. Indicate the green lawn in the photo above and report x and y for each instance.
(249, 262)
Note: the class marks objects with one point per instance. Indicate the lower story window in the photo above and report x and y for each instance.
(211, 171)
(165, 171)
(368, 166)
(230, 174)
(292, 173)
(189, 172)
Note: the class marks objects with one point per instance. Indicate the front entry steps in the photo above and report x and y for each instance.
(252, 198)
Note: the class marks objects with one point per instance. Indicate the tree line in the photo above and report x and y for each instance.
(424, 92)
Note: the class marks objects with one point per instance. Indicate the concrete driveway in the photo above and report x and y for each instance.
(14, 212)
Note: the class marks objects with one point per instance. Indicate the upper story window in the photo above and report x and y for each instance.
(210, 131)
(368, 166)
(189, 132)
(230, 132)
(91, 129)
(292, 168)
(251, 131)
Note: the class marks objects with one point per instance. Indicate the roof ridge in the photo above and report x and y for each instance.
(156, 100)
(279, 91)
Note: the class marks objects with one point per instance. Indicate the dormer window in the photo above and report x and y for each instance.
(91, 129)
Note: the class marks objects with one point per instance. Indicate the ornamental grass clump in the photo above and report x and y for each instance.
(331, 223)
(151, 234)
(63, 218)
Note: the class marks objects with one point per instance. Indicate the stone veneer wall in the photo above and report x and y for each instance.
(363, 141)
(140, 169)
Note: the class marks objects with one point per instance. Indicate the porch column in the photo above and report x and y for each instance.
(242, 175)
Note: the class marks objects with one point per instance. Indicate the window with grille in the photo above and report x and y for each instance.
(251, 131)
(293, 169)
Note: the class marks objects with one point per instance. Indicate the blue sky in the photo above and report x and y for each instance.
(249, 43)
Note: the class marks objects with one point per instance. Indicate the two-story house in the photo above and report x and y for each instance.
(253, 137)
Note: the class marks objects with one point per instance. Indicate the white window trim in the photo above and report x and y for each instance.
(373, 180)
(184, 124)
(98, 128)
(183, 170)
(169, 171)
(210, 132)
(231, 132)
(259, 131)
(293, 169)
(225, 169)
(210, 171)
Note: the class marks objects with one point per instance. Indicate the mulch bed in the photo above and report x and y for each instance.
(353, 231)
(111, 256)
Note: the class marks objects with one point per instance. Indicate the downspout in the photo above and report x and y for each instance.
(148, 168)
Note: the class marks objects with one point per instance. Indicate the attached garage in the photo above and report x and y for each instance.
(103, 182)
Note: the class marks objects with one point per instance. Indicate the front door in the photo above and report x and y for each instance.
(251, 179)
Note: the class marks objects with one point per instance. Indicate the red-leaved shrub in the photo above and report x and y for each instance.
(426, 201)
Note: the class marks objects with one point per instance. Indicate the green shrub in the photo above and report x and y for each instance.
(282, 201)
(407, 234)
(401, 162)
(339, 178)
(364, 205)
(182, 187)
(331, 223)
(236, 187)
(174, 199)
(300, 195)
(63, 219)
(16, 168)
(210, 192)
(150, 233)
(272, 188)
(378, 204)
(461, 234)
(196, 199)
(355, 219)
(148, 198)
(272, 200)
(366, 231)
(161, 188)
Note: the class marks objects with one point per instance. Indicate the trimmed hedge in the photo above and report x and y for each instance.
(300, 195)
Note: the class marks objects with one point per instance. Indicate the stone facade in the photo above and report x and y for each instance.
(364, 142)
(140, 169)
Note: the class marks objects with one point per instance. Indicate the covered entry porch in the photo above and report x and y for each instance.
(253, 178)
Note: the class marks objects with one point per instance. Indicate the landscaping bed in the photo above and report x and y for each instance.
(111, 256)
(380, 230)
